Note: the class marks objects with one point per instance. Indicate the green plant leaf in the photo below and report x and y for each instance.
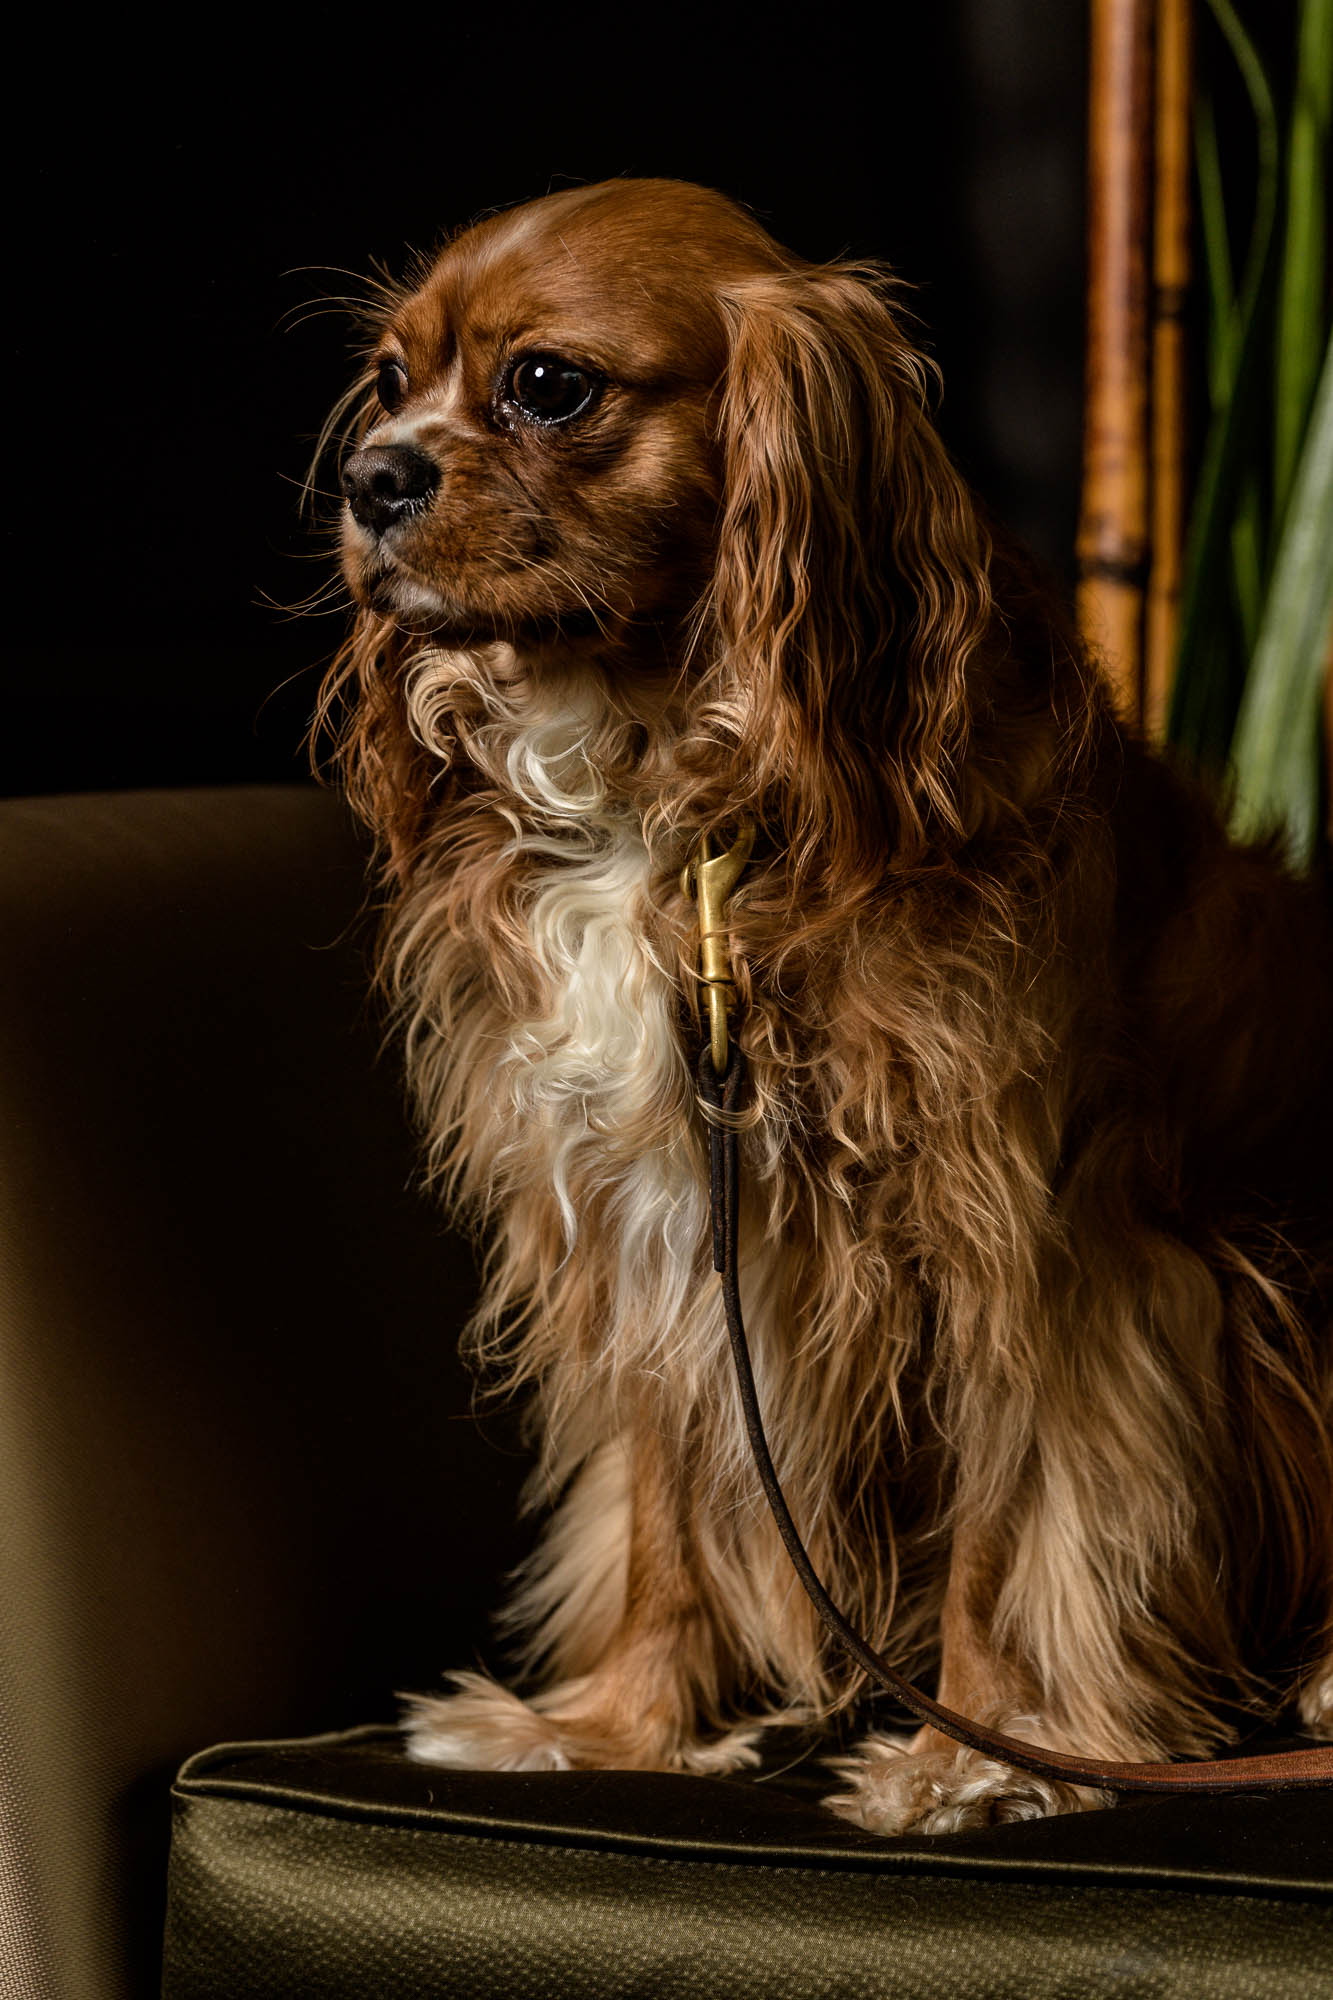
(1275, 755)
(1216, 251)
(1207, 682)
(1247, 563)
(1300, 311)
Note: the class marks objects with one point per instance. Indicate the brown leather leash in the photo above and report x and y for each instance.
(720, 1086)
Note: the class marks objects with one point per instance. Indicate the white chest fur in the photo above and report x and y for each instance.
(589, 1094)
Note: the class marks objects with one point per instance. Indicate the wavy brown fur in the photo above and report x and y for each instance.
(1036, 1158)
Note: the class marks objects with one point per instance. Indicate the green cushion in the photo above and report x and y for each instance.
(335, 1867)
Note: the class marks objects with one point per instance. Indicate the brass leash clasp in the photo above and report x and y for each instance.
(710, 879)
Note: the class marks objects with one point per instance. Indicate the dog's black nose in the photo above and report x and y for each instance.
(386, 482)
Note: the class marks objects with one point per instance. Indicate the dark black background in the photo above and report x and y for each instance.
(180, 194)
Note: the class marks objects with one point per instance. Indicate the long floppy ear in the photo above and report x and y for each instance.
(360, 731)
(851, 584)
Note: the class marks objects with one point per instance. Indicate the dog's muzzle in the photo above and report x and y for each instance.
(385, 483)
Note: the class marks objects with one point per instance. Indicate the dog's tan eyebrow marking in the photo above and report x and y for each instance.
(437, 346)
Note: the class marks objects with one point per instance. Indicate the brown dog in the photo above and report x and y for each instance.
(651, 530)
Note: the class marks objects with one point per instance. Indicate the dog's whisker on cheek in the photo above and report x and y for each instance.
(1036, 1249)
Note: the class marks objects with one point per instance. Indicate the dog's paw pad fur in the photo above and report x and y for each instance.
(735, 1751)
(896, 1786)
(481, 1727)
(1317, 1703)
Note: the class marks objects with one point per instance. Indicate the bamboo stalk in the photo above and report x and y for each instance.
(1113, 524)
(1171, 277)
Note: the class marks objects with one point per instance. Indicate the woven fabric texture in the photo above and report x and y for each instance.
(337, 1868)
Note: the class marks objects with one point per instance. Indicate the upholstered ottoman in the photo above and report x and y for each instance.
(335, 1867)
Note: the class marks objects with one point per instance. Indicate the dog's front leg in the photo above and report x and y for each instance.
(927, 1782)
(615, 1609)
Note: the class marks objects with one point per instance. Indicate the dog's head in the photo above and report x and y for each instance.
(542, 466)
(622, 425)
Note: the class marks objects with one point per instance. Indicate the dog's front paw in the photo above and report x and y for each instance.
(927, 1784)
(1317, 1702)
(482, 1727)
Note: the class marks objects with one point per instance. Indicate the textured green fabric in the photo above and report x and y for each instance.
(336, 1868)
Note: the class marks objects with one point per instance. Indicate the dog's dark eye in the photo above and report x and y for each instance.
(391, 385)
(549, 390)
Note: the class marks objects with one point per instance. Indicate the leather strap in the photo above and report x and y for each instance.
(1281, 1771)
